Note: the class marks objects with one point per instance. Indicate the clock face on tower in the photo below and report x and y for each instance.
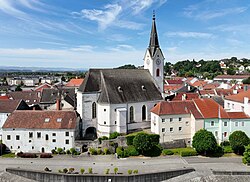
(158, 61)
(147, 61)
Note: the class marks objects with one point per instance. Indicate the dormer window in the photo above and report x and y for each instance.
(59, 120)
(119, 89)
(143, 88)
(27, 101)
(46, 120)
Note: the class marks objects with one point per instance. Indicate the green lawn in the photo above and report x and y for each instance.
(9, 155)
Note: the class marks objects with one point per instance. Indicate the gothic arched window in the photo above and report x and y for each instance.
(158, 72)
(143, 112)
(93, 110)
(131, 114)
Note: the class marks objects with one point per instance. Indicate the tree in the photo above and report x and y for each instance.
(204, 142)
(246, 155)
(231, 71)
(127, 66)
(168, 68)
(246, 81)
(18, 88)
(238, 140)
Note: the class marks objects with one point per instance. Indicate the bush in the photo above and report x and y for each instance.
(26, 155)
(225, 143)
(115, 170)
(60, 151)
(188, 153)
(2, 148)
(130, 139)
(60, 171)
(53, 151)
(90, 170)
(102, 138)
(227, 149)
(131, 151)
(65, 170)
(71, 170)
(246, 155)
(82, 170)
(99, 151)
(107, 171)
(154, 138)
(68, 152)
(46, 155)
(106, 151)
(93, 151)
(238, 141)
(135, 171)
(167, 152)
(218, 152)
(73, 151)
(114, 135)
(204, 142)
(154, 151)
(119, 151)
(130, 171)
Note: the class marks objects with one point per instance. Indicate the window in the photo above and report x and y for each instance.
(131, 114)
(54, 140)
(46, 120)
(225, 123)
(187, 123)
(32, 147)
(216, 133)
(170, 119)
(225, 134)
(46, 137)
(232, 106)
(158, 72)
(163, 120)
(242, 123)
(242, 108)
(180, 119)
(18, 147)
(66, 133)
(236, 123)
(30, 134)
(212, 123)
(27, 101)
(59, 120)
(93, 110)
(180, 128)
(17, 137)
(38, 134)
(8, 137)
(105, 122)
(228, 105)
(53, 134)
(104, 110)
(115, 122)
(171, 129)
(163, 130)
(66, 141)
(143, 112)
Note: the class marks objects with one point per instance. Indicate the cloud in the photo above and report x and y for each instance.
(122, 48)
(103, 17)
(7, 6)
(171, 49)
(83, 48)
(189, 35)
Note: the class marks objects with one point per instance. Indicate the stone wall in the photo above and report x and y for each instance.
(174, 144)
(58, 177)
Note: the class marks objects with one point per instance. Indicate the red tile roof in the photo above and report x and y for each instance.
(210, 86)
(74, 82)
(174, 82)
(41, 87)
(237, 115)
(231, 76)
(4, 97)
(36, 120)
(175, 108)
(199, 83)
(172, 87)
(189, 96)
(210, 109)
(224, 92)
(207, 92)
(239, 97)
(8, 106)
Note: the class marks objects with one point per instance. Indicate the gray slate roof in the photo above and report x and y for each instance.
(121, 85)
(50, 95)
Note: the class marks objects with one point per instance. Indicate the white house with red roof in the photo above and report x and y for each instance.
(40, 131)
(238, 102)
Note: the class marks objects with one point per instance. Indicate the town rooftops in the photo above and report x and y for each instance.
(8, 106)
(174, 82)
(239, 97)
(175, 108)
(41, 87)
(238, 115)
(50, 95)
(42, 120)
(185, 96)
(30, 97)
(121, 85)
(74, 82)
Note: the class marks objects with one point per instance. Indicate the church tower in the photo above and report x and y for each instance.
(154, 59)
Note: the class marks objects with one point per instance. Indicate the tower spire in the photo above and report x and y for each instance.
(153, 43)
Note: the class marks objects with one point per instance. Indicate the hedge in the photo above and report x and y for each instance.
(46, 155)
(130, 139)
(93, 151)
(131, 151)
(167, 152)
(188, 153)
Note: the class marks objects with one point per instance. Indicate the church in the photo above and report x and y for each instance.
(120, 100)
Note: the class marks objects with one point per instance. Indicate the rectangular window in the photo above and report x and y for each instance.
(17, 137)
(163, 130)
(30, 134)
(236, 123)
(59, 120)
(180, 128)
(232, 106)
(171, 129)
(163, 120)
(38, 134)
(225, 134)
(171, 119)
(66, 141)
(8, 137)
(225, 123)
(216, 133)
(180, 119)
(212, 123)
(54, 140)
(46, 120)
(242, 108)
(187, 123)
(228, 105)
(66, 133)
(242, 123)
(53, 134)
(46, 137)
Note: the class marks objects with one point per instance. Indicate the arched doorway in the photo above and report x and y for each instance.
(90, 133)
(143, 112)
(43, 150)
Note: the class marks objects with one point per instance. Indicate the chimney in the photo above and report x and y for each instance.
(34, 108)
(246, 100)
(58, 104)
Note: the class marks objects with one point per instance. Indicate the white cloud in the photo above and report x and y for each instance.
(171, 49)
(103, 17)
(129, 25)
(7, 6)
(122, 48)
(189, 34)
(83, 48)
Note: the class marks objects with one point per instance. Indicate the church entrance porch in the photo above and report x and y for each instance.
(90, 134)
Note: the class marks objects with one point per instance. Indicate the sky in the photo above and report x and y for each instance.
(111, 33)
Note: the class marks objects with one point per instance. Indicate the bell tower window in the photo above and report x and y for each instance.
(158, 72)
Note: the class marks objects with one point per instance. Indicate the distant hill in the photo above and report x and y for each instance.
(37, 69)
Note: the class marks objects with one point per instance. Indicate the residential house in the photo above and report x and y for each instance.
(74, 83)
(30, 97)
(41, 131)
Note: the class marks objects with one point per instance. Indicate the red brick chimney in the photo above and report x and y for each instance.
(58, 104)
